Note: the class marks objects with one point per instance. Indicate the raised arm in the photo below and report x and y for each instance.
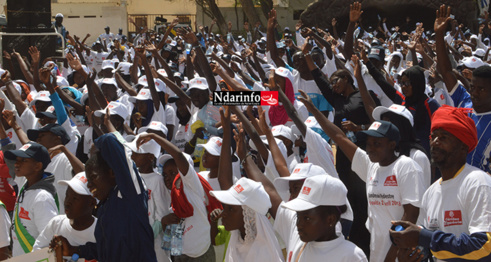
(13, 93)
(251, 131)
(23, 67)
(271, 40)
(443, 62)
(150, 81)
(225, 177)
(279, 161)
(35, 56)
(354, 16)
(334, 132)
(173, 86)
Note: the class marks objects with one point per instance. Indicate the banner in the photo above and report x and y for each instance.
(41, 255)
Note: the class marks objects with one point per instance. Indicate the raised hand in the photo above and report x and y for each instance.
(6, 55)
(9, 116)
(174, 22)
(298, 25)
(306, 100)
(355, 12)
(262, 122)
(442, 19)
(239, 138)
(44, 75)
(6, 77)
(356, 65)
(272, 18)
(334, 22)
(35, 54)
(74, 62)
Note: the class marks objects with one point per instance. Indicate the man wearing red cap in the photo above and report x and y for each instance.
(457, 207)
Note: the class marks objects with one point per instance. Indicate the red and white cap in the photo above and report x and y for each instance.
(154, 125)
(61, 81)
(159, 84)
(284, 131)
(108, 81)
(300, 171)
(144, 94)
(213, 146)
(198, 83)
(78, 184)
(394, 108)
(115, 108)
(245, 192)
(284, 72)
(472, 62)
(108, 64)
(150, 147)
(319, 191)
(41, 96)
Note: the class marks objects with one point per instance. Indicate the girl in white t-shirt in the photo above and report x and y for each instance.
(395, 184)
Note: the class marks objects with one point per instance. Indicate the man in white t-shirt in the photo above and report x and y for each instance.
(457, 207)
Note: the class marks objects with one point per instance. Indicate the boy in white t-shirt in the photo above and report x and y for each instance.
(78, 224)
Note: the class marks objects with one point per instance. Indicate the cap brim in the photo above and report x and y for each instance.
(210, 150)
(283, 183)
(13, 154)
(299, 205)
(164, 158)
(45, 114)
(74, 187)
(379, 111)
(225, 197)
(99, 113)
(33, 134)
(363, 134)
(375, 57)
(172, 99)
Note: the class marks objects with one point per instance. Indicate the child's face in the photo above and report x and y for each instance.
(232, 217)
(142, 160)
(209, 160)
(313, 224)
(77, 205)
(26, 166)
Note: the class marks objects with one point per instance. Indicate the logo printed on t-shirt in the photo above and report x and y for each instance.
(306, 190)
(238, 188)
(24, 214)
(452, 218)
(390, 181)
(149, 194)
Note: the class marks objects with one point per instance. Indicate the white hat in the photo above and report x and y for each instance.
(150, 147)
(115, 108)
(479, 52)
(198, 83)
(319, 191)
(245, 192)
(164, 158)
(41, 96)
(283, 72)
(108, 81)
(61, 81)
(154, 125)
(300, 171)
(78, 183)
(85, 96)
(173, 43)
(107, 64)
(162, 72)
(213, 146)
(394, 108)
(17, 87)
(59, 15)
(472, 62)
(144, 94)
(159, 84)
(310, 122)
(124, 67)
(280, 144)
(267, 67)
(284, 131)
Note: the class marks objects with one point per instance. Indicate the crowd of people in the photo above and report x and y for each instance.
(379, 148)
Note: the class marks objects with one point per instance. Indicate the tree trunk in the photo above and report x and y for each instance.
(250, 11)
(266, 6)
(211, 9)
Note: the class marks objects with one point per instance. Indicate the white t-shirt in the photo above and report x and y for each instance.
(5, 224)
(422, 160)
(60, 225)
(195, 240)
(182, 136)
(459, 205)
(35, 211)
(388, 189)
(338, 249)
(319, 152)
(61, 168)
(170, 115)
(28, 120)
(74, 135)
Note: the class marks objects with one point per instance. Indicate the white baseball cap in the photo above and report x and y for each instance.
(283, 72)
(164, 158)
(280, 144)
(107, 64)
(154, 125)
(144, 94)
(319, 191)
(17, 87)
(284, 131)
(245, 192)
(162, 72)
(300, 171)
(124, 67)
(479, 52)
(394, 108)
(61, 81)
(198, 83)
(108, 81)
(41, 96)
(213, 146)
(78, 183)
(59, 15)
(159, 84)
(472, 62)
(150, 147)
(115, 108)
(310, 122)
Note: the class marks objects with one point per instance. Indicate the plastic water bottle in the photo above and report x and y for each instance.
(209, 51)
(73, 258)
(166, 241)
(350, 134)
(229, 38)
(176, 242)
(422, 250)
(188, 48)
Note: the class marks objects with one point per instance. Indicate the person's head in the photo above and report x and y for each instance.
(199, 92)
(244, 196)
(76, 79)
(480, 89)
(146, 155)
(182, 111)
(395, 60)
(109, 89)
(120, 31)
(107, 29)
(47, 117)
(118, 113)
(211, 156)
(79, 202)
(318, 57)
(31, 160)
(169, 168)
(41, 101)
(284, 134)
(295, 181)
(342, 82)
(281, 77)
(107, 68)
(381, 138)
(97, 46)
(377, 56)
(319, 206)
(100, 176)
(299, 62)
(59, 19)
(155, 127)
(453, 136)
(413, 84)
(49, 135)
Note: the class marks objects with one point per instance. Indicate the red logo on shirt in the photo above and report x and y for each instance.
(452, 218)
(238, 188)
(24, 214)
(149, 194)
(306, 190)
(306, 159)
(186, 128)
(391, 181)
(9, 135)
